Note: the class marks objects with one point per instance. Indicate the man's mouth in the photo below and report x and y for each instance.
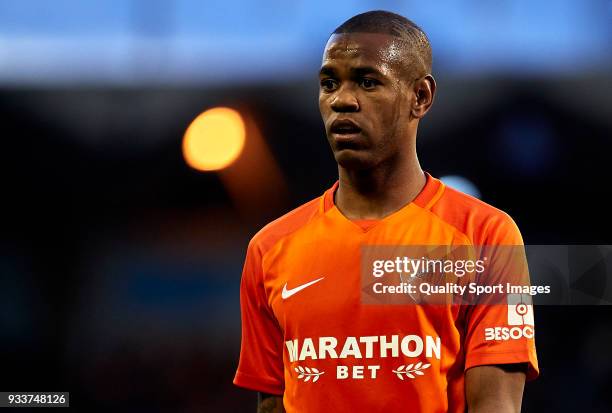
(344, 127)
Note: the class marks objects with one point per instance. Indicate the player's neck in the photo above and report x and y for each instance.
(377, 193)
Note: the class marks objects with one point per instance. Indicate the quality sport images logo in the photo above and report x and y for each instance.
(520, 320)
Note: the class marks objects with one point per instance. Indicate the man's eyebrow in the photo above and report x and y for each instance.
(357, 71)
(326, 71)
(367, 70)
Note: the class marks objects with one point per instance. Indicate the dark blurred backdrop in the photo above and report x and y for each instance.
(120, 264)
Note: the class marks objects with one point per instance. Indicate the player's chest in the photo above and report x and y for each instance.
(317, 282)
(325, 276)
(325, 291)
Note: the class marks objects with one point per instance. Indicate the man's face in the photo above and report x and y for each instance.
(365, 98)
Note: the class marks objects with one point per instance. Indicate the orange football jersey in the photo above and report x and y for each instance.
(307, 335)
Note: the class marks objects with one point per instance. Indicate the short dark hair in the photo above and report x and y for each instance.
(386, 22)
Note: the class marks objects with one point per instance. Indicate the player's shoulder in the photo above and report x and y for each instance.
(285, 225)
(464, 204)
(481, 222)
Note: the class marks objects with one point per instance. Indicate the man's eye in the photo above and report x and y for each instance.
(368, 83)
(328, 84)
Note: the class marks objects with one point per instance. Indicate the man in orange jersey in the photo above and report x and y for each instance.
(309, 342)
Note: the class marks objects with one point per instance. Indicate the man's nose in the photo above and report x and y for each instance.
(345, 101)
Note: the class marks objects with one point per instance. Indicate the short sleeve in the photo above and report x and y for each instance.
(500, 327)
(261, 359)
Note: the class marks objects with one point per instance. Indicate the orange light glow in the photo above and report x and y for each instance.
(214, 140)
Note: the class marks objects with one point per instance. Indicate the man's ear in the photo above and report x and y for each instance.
(424, 92)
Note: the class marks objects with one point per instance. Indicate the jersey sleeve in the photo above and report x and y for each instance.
(261, 359)
(500, 327)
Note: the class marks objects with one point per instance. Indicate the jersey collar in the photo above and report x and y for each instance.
(425, 199)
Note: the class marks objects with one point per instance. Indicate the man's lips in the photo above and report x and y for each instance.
(344, 127)
(347, 140)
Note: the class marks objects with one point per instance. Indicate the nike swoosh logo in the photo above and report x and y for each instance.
(288, 293)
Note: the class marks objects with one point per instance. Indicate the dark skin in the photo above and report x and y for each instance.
(373, 80)
(269, 403)
(495, 388)
(365, 78)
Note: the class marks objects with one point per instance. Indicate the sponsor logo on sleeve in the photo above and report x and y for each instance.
(520, 310)
(520, 320)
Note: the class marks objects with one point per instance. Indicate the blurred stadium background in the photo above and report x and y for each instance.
(120, 262)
